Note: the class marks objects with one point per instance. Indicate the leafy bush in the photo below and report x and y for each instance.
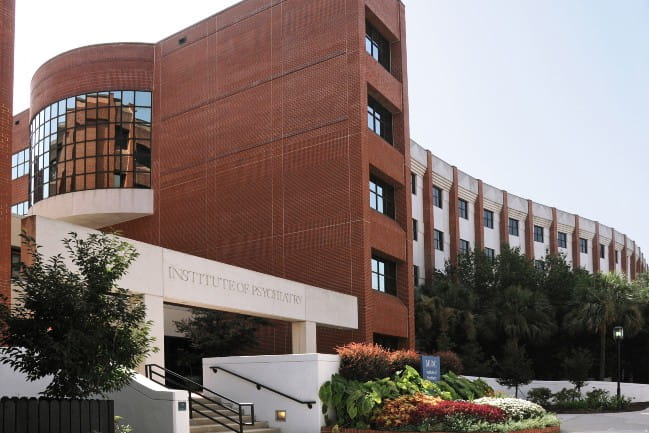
(400, 358)
(515, 408)
(355, 403)
(463, 388)
(576, 367)
(363, 362)
(540, 396)
(450, 361)
(566, 395)
(397, 413)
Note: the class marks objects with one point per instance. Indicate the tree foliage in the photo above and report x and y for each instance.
(218, 333)
(480, 305)
(515, 368)
(73, 323)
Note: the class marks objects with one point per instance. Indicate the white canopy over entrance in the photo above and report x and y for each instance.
(164, 275)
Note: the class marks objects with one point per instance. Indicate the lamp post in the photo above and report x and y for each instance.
(618, 336)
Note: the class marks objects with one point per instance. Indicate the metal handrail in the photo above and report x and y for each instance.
(259, 386)
(181, 382)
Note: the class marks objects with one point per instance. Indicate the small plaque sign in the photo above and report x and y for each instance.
(182, 406)
(430, 368)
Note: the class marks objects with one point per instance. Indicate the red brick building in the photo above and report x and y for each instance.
(266, 123)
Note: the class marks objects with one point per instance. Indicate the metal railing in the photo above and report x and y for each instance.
(259, 386)
(232, 411)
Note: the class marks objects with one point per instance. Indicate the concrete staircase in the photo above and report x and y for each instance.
(201, 424)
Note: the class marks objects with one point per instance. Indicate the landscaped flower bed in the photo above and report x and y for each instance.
(363, 399)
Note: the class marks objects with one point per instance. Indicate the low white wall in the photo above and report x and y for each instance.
(636, 391)
(144, 405)
(299, 376)
(151, 408)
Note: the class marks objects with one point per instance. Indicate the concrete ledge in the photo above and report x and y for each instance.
(98, 207)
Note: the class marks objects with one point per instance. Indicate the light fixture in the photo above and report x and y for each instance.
(280, 415)
(618, 333)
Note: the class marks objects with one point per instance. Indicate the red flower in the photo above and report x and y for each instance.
(444, 409)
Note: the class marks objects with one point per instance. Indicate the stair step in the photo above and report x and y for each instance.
(213, 428)
(204, 421)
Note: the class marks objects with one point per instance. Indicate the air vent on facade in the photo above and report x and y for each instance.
(182, 40)
(17, 122)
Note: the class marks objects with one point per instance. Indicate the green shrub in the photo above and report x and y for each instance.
(463, 388)
(449, 361)
(565, 396)
(540, 396)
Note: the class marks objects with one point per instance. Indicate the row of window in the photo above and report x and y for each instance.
(20, 209)
(20, 163)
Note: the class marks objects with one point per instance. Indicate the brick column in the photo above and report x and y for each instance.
(576, 258)
(611, 252)
(623, 259)
(504, 221)
(529, 231)
(633, 263)
(554, 234)
(596, 249)
(478, 217)
(429, 220)
(454, 219)
(7, 22)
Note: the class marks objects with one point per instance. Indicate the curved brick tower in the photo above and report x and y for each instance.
(7, 15)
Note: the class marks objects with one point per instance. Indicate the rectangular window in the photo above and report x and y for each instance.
(583, 245)
(538, 234)
(413, 183)
(616, 257)
(602, 251)
(384, 274)
(464, 209)
(562, 240)
(513, 227)
(437, 197)
(415, 275)
(20, 209)
(538, 264)
(379, 120)
(15, 262)
(488, 219)
(464, 246)
(20, 163)
(377, 46)
(414, 230)
(381, 197)
(490, 253)
(439, 240)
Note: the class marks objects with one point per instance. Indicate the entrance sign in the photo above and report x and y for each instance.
(430, 368)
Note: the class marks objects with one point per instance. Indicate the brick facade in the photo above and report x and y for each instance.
(261, 155)
(7, 14)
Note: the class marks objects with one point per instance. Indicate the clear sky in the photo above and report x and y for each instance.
(548, 99)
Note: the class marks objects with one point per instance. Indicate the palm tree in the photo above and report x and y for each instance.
(521, 314)
(610, 299)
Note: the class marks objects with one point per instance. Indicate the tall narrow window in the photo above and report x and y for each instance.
(488, 219)
(464, 209)
(538, 264)
(513, 227)
(464, 246)
(538, 234)
(415, 275)
(602, 251)
(583, 245)
(437, 197)
(384, 274)
(490, 253)
(377, 46)
(439, 240)
(20, 163)
(379, 120)
(617, 257)
(413, 183)
(381, 197)
(562, 240)
(15, 262)
(415, 235)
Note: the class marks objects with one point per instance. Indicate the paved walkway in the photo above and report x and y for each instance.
(622, 422)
